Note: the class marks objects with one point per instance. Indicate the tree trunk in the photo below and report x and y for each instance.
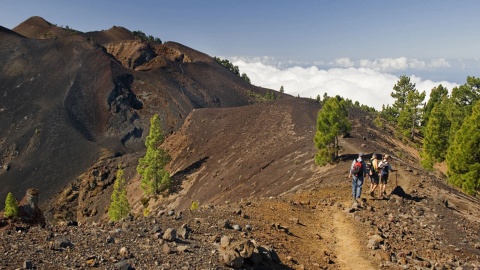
(413, 128)
(336, 147)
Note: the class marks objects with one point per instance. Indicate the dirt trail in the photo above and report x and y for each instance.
(348, 245)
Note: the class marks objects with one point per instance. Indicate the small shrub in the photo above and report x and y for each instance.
(194, 206)
(119, 206)
(11, 207)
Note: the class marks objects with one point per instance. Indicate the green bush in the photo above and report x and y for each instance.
(11, 207)
(194, 206)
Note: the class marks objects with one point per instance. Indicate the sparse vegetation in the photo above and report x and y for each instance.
(143, 37)
(269, 95)
(119, 206)
(151, 167)
(72, 31)
(232, 68)
(11, 207)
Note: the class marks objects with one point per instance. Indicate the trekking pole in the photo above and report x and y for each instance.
(396, 179)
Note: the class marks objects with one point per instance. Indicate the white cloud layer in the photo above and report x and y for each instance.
(364, 81)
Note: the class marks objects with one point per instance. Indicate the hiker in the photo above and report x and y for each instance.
(373, 174)
(385, 168)
(357, 172)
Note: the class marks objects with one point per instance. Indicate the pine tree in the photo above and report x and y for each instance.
(246, 78)
(461, 102)
(11, 206)
(463, 156)
(436, 96)
(410, 116)
(388, 113)
(436, 136)
(152, 166)
(332, 121)
(400, 94)
(119, 206)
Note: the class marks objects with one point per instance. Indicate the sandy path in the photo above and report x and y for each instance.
(348, 247)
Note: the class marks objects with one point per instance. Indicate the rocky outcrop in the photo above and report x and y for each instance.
(138, 55)
(29, 212)
(246, 253)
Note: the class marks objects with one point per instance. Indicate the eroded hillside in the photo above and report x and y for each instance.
(68, 99)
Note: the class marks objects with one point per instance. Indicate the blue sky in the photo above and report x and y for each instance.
(341, 47)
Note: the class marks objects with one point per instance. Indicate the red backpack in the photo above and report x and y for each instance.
(357, 168)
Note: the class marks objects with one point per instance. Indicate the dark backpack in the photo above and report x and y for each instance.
(370, 169)
(385, 169)
(357, 168)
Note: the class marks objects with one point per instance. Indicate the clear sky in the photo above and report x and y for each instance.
(352, 48)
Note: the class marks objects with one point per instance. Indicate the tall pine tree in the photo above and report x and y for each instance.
(463, 156)
(436, 96)
(332, 121)
(410, 116)
(436, 135)
(400, 94)
(151, 167)
(461, 102)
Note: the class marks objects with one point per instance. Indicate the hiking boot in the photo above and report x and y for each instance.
(355, 203)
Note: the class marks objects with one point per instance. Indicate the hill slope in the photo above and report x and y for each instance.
(69, 100)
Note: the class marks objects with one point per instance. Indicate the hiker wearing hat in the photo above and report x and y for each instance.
(373, 174)
(385, 167)
(358, 170)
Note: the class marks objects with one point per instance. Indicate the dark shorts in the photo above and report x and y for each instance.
(384, 179)
(374, 178)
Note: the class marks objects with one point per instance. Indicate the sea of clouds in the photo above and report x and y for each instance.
(369, 82)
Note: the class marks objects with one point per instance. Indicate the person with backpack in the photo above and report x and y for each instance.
(385, 167)
(357, 172)
(373, 174)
